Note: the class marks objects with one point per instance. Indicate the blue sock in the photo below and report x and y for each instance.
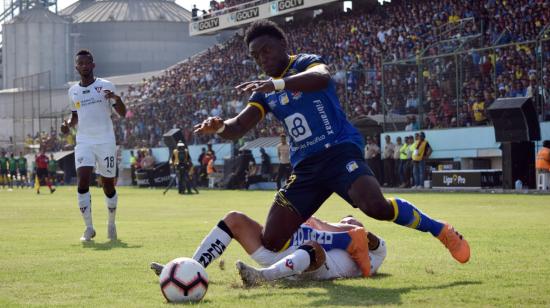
(328, 240)
(408, 215)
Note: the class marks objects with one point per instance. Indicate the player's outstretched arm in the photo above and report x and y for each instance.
(313, 79)
(233, 128)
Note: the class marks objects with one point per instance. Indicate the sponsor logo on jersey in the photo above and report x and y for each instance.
(80, 160)
(352, 166)
(272, 104)
(98, 89)
(85, 91)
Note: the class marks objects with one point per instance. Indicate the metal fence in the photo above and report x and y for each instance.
(451, 84)
(32, 106)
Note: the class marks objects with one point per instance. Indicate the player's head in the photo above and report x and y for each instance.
(84, 63)
(350, 220)
(267, 45)
(283, 138)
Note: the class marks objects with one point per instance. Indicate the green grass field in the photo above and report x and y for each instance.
(43, 263)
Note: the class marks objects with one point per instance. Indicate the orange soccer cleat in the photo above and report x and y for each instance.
(359, 249)
(455, 242)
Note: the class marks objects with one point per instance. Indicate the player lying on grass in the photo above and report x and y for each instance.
(317, 250)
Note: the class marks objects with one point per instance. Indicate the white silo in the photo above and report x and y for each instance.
(36, 41)
(133, 36)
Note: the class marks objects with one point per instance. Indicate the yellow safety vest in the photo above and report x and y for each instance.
(418, 152)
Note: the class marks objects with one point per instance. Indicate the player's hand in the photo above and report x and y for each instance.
(110, 95)
(65, 127)
(263, 86)
(208, 126)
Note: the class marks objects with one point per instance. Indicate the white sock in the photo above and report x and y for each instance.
(85, 205)
(293, 264)
(213, 245)
(111, 207)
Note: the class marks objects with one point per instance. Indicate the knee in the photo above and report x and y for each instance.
(234, 219)
(379, 209)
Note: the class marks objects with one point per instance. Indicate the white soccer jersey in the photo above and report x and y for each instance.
(94, 112)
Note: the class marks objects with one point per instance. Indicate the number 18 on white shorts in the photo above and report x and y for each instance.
(100, 156)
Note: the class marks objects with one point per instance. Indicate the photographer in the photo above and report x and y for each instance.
(181, 161)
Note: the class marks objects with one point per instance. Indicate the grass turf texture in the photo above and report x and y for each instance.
(43, 263)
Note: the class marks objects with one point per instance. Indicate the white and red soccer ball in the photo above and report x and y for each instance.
(183, 280)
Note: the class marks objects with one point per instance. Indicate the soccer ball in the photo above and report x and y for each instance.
(183, 280)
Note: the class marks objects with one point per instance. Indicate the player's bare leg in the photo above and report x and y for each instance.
(111, 200)
(234, 225)
(282, 221)
(85, 201)
(366, 195)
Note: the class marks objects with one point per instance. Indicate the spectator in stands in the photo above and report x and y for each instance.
(194, 12)
(479, 112)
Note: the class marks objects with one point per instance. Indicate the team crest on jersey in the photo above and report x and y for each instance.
(283, 98)
(80, 160)
(351, 166)
(98, 89)
(77, 105)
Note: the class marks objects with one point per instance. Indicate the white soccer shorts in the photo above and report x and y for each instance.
(101, 156)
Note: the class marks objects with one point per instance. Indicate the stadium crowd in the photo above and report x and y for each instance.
(353, 43)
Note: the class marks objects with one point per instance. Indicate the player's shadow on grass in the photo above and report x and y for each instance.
(108, 245)
(338, 294)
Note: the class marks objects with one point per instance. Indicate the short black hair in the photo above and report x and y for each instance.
(264, 27)
(85, 52)
(546, 143)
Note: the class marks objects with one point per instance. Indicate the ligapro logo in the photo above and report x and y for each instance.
(454, 180)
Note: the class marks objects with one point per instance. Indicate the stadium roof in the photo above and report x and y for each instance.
(85, 11)
(262, 142)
